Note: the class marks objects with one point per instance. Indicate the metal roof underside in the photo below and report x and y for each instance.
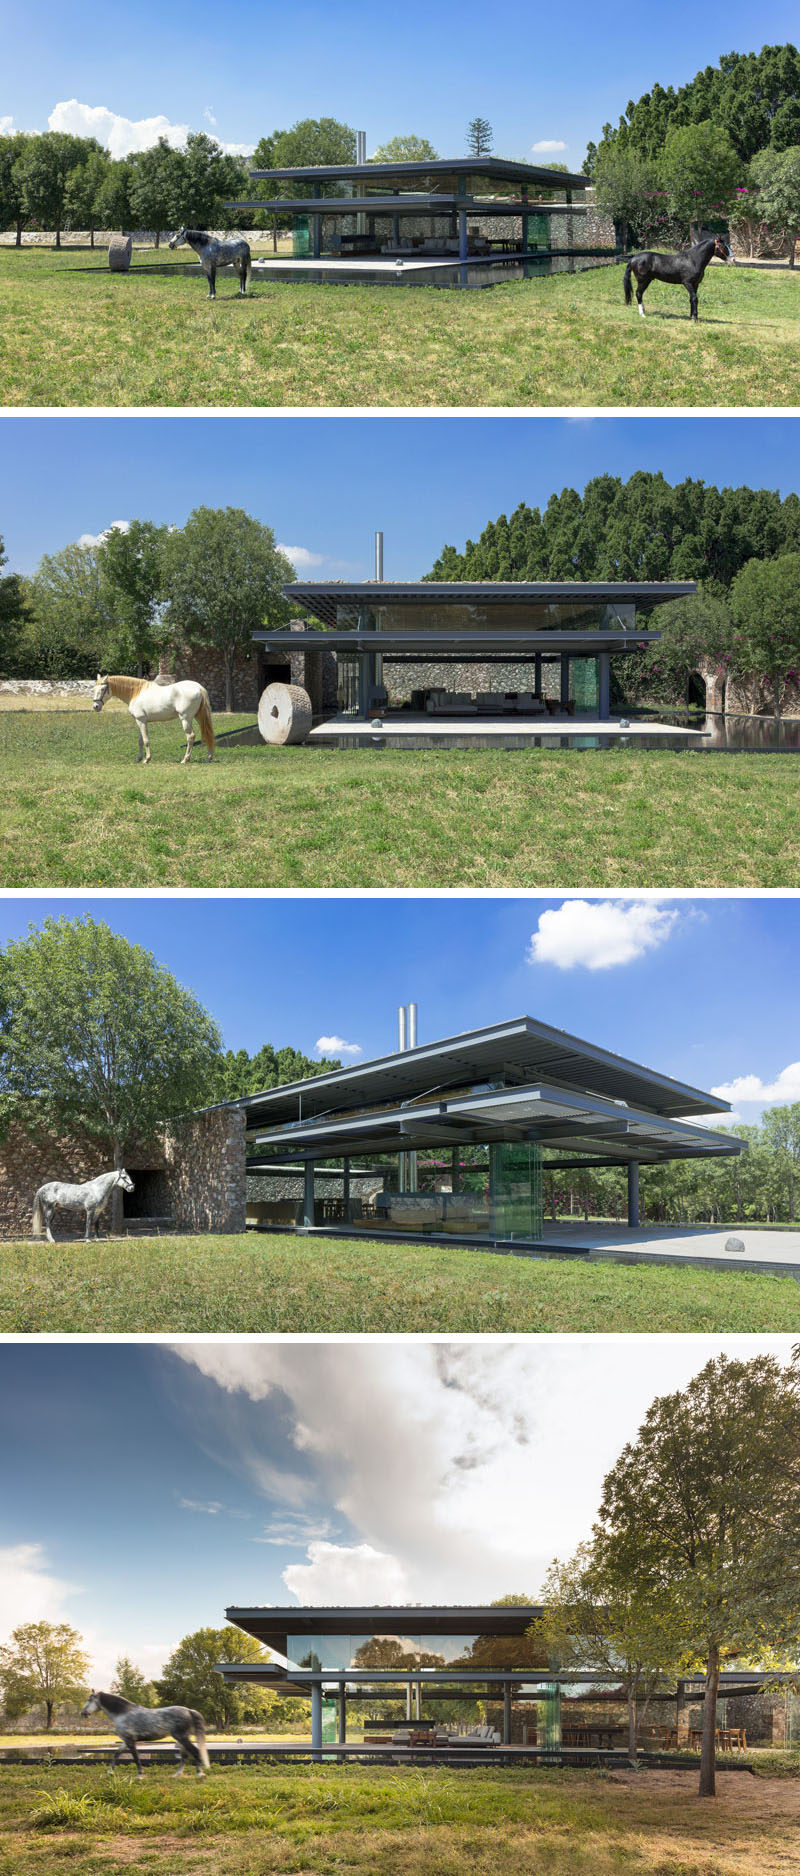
(268, 1623)
(522, 1051)
(322, 600)
(483, 169)
(459, 644)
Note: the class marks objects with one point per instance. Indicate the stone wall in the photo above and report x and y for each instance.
(401, 679)
(195, 1172)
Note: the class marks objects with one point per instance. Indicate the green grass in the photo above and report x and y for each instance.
(72, 333)
(257, 1282)
(77, 811)
(409, 1822)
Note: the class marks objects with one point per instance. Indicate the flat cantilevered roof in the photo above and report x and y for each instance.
(321, 599)
(268, 1624)
(438, 171)
(516, 1056)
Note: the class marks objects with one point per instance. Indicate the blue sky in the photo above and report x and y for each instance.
(145, 1489)
(705, 989)
(245, 68)
(325, 483)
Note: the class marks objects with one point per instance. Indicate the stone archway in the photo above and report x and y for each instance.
(715, 682)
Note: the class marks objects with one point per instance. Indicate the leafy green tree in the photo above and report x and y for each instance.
(156, 186)
(780, 1129)
(84, 193)
(209, 178)
(405, 150)
(45, 169)
(765, 608)
(129, 562)
(480, 137)
(599, 1620)
(13, 211)
(701, 169)
(113, 200)
(222, 579)
(753, 96)
(97, 1039)
(14, 613)
(132, 1684)
(696, 637)
(43, 1664)
(628, 187)
(239, 1074)
(312, 140)
(190, 1678)
(70, 617)
(700, 1517)
(777, 176)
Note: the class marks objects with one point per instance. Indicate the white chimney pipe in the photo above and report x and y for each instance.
(379, 554)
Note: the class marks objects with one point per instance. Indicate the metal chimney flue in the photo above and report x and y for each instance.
(412, 1025)
(401, 1028)
(379, 554)
(361, 146)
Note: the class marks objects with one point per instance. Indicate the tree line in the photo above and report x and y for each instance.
(760, 1186)
(141, 591)
(741, 544)
(724, 147)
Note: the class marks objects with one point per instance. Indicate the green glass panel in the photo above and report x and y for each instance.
(330, 1721)
(585, 689)
(301, 239)
(516, 1189)
(548, 1718)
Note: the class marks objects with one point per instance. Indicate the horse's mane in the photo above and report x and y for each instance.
(114, 1703)
(127, 687)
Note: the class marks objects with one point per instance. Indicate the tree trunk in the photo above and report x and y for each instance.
(633, 1729)
(116, 1196)
(58, 237)
(228, 680)
(49, 1708)
(158, 236)
(708, 1755)
(91, 236)
(18, 242)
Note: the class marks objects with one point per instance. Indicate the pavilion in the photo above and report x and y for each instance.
(486, 655)
(455, 1131)
(378, 217)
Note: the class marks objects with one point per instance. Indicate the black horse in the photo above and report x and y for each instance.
(213, 253)
(678, 270)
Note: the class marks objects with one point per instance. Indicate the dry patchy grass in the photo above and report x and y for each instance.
(72, 333)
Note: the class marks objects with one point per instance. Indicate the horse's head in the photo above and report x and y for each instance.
(178, 238)
(101, 692)
(125, 1181)
(92, 1706)
(723, 251)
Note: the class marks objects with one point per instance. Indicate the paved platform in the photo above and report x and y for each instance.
(401, 728)
(777, 1251)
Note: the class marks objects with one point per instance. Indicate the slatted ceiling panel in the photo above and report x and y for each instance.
(322, 601)
(532, 1049)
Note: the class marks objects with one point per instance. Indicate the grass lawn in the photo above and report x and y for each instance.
(260, 1282)
(77, 811)
(72, 333)
(443, 1823)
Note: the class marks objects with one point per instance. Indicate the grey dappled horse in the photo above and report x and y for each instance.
(134, 1724)
(91, 1198)
(213, 254)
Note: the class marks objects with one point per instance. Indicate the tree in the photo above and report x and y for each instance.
(13, 212)
(14, 613)
(156, 183)
(129, 562)
(43, 1663)
(777, 176)
(311, 141)
(479, 137)
(70, 618)
(223, 575)
(45, 170)
(240, 1074)
(753, 96)
(597, 1619)
(190, 1677)
(700, 169)
(97, 1039)
(780, 1128)
(696, 637)
(208, 179)
(132, 1684)
(765, 607)
(113, 202)
(405, 150)
(701, 1517)
(84, 193)
(628, 186)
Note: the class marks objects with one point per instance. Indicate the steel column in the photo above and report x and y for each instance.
(346, 1186)
(506, 1713)
(316, 1719)
(633, 1194)
(604, 685)
(564, 680)
(342, 1714)
(309, 1212)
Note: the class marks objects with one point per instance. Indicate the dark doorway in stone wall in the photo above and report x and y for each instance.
(272, 671)
(696, 692)
(150, 1202)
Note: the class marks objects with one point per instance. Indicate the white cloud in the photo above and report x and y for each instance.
(336, 1573)
(548, 146)
(120, 134)
(6, 126)
(212, 1509)
(29, 1592)
(209, 115)
(95, 540)
(237, 149)
(335, 1045)
(750, 1088)
(301, 557)
(598, 934)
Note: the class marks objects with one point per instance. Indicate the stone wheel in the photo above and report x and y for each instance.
(284, 713)
(120, 248)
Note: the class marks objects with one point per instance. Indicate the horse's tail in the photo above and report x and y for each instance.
(206, 724)
(200, 1735)
(627, 283)
(36, 1221)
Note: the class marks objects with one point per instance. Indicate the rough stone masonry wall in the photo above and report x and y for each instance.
(205, 1157)
(26, 1162)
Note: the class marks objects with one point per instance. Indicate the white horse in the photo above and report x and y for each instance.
(91, 1198)
(133, 1723)
(152, 700)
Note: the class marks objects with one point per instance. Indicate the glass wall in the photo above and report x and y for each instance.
(339, 1652)
(463, 1191)
(576, 615)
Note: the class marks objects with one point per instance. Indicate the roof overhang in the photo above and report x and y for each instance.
(478, 645)
(321, 599)
(434, 172)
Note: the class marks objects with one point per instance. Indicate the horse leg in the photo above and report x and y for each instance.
(142, 756)
(692, 291)
(131, 1745)
(188, 730)
(47, 1214)
(641, 289)
(189, 1750)
(90, 1220)
(144, 740)
(211, 271)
